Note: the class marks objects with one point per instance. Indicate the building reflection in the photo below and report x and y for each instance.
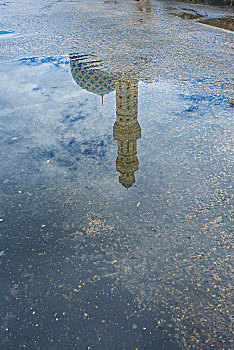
(88, 75)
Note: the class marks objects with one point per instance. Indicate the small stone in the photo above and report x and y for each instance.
(114, 261)
(134, 326)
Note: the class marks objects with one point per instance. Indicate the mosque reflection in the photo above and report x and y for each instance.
(126, 130)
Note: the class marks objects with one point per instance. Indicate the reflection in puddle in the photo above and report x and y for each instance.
(127, 131)
(154, 260)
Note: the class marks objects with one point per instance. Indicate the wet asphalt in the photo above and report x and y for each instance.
(116, 144)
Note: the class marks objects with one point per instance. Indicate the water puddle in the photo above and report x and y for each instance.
(116, 207)
(189, 14)
(4, 32)
(224, 22)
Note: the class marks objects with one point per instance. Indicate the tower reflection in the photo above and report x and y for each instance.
(87, 74)
(127, 130)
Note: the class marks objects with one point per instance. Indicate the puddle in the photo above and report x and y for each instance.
(3, 32)
(116, 207)
(225, 3)
(224, 23)
(188, 15)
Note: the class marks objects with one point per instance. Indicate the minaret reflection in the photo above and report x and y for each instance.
(127, 130)
(87, 74)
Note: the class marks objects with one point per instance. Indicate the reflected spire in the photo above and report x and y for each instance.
(127, 130)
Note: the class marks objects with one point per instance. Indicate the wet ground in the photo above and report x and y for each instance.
(225, 23)
(116, 165)
(220, 3)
